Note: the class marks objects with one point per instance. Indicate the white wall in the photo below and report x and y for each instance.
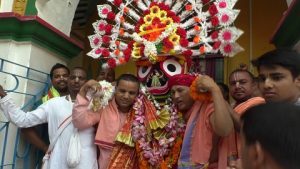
(58, 13)
(6, 5)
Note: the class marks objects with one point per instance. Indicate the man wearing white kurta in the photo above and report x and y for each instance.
(55, 112)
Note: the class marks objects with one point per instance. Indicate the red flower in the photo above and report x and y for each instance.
(188, 57)
(227, 48)
(105, 52)
(187, 53)
(168, 44)
(101, 27)
(108, 28)
(213, 10)
(226, 35)
(142, 50)
(146, 12)
(216, 45)
(153, 4)
(163, 6)
(155, 21)
(130, 44)
(181, 32)
(214, 21)
(222, 4)
(127, 54)
(112, 63)
(214, 35)
(137, 28)
(106, 39)
(205, 1)
(111, 15)
(117, 2)
(184, 42)
(176, 19)
(171, 14)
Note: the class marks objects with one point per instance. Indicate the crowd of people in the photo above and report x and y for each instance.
(258, 129)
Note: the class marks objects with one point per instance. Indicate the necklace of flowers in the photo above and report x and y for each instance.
(145, 140)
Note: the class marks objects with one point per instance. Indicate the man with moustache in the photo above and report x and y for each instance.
(55, 112)
(59, 75)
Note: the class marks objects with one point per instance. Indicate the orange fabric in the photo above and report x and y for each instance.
(111, 122)
(234, 137)
(124, 157)
(202, 134)
(241, 108)
(202, 142)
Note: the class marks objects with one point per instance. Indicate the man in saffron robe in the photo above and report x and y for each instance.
(206, 121)
(111, 118)
(242, 86)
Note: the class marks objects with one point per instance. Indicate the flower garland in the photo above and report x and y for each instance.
(101, 98)
(196, 95)
(151, 150)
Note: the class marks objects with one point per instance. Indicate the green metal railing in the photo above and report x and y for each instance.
(30, 76)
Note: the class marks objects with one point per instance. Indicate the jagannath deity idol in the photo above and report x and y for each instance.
(161, 37)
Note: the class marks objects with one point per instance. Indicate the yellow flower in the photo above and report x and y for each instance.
(174, 38)
(154, 10)
(163, 15)
(148, 19)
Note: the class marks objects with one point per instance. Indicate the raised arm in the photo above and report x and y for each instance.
(220, 119)
(21, 119)
(82, 116)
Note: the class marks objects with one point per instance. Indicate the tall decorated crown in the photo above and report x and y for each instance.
(161, 37)
(150, 31)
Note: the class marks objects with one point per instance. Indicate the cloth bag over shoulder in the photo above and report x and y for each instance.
(74, 150)
(47, 156)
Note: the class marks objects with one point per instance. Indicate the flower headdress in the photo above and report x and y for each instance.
(146, 30)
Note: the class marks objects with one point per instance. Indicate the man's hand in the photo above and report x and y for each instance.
(206, 83)
(91, 85)
(2, 92)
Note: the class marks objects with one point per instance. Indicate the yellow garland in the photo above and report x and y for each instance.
(200, 96)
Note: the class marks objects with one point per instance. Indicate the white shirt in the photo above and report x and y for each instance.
(55, 111)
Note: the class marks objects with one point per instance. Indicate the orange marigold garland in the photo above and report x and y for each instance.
(196, 94)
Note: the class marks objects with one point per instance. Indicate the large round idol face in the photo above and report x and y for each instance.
(155, 77)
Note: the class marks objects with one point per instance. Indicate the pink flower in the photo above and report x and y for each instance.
(98, 51)
(224, 18)
(96, 41)
(227, 48)
(222, 4)
(227, 35)
(101, 27)
(105, 11)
